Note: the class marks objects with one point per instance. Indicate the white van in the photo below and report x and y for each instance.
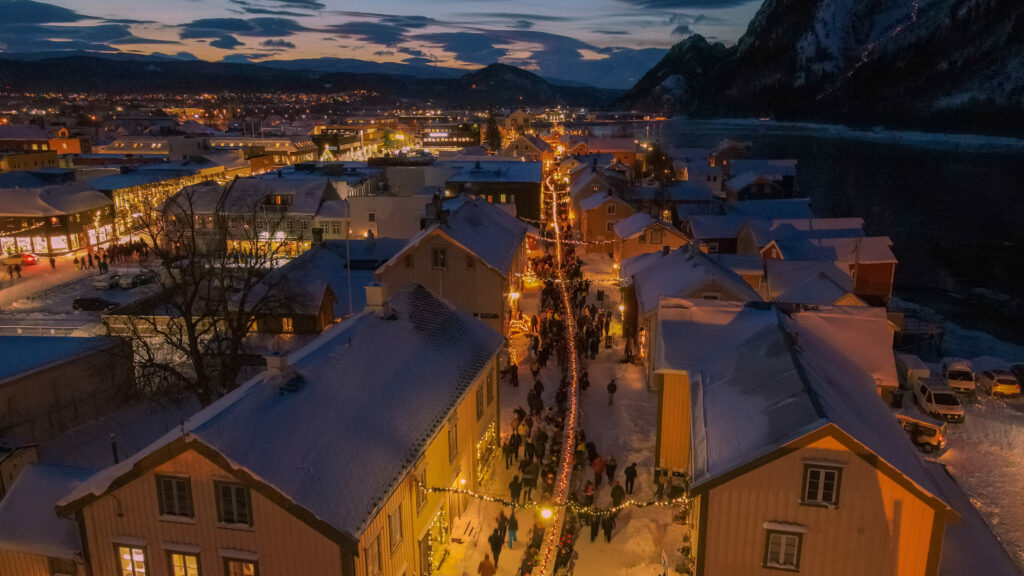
(959, 375)
(938, 400)
(927, 434)
(910, 370)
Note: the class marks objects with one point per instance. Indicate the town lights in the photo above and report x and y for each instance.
(547, 513)
(513, 296)
(622, 308)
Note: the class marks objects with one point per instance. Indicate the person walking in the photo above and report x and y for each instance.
(90, 266)
(630, 473)
(595, 527)
(506, 451)
(618, 494)
(515, 487)
(513, 527)
(598, 467)
(612, 387)
(515, 440)
(496, 542)
(608, 524)
(17, 270)
(75, 262)
(10, 271)
(486, 567)
(53, 263)
(610, 465)
(502, 524)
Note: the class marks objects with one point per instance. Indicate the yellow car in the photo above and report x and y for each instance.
(1000, 383)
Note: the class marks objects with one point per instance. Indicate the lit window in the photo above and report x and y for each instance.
(233, 506)
(184, 564)
(233, 567)
(421, 493)
(287, 325)
(783, 550)
(175, 496)
(132, 560)
(821, 485)
(395, 531)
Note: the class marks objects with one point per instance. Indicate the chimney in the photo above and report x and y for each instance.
(377, 299)
(277, 363)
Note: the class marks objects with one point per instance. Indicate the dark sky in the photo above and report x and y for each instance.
(612, 41)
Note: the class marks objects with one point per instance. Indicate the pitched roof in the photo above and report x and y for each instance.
(715, 226)
(24, 354)
(483, 228)
(494, 171)
(336, 433)
(28, 523)
(599, 199)
(639, 222)
(769, 209)
(866, 250)
(683, 272)
(806, 281)
(23, 132)
(55, 200)
(804, 228)
(763, 377)
(243, 194)
(760, 166)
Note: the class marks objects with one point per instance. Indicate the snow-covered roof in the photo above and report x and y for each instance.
(195, 128)
(970, 543)
(759, 166)
(131, 180)
(599, 199)
(482, 228)
(28, 522)
(684, 273)
(307, 194)
(763, 377)
(24, 354)
(740, 263)
(55, 200)
(336, 432)
(716, 226)
(333, 209)
(687, 191)
(694, 155)
(639, 222)
(807, 281)
(771, 209)
(494, 171)
(202, 198)
(746, 179)
(23, 132)
(866, 250)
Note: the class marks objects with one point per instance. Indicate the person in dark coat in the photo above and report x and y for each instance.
(513, 527)
(502, 524)
(53, 263)
(584, 381)
(538, 387)
(486, 567)
(618, 494)
(595, 527)
(608, 524)
(610, 465)
(513, 374)
(612, 387)
(496, 540)
(630, 473)
(506, 451)
(515, 487)
(515, 441)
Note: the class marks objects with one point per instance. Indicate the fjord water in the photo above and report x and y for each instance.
(953, 206)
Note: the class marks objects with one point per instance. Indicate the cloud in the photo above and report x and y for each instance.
(217, 27)
(515, 16)
(475, 48)
(610, 32)
(226, 42)
(275, 7)
(521, 25)
(400, 20)
(384, 53)
(682, 30)
(29, 12)
(687, 4)
(278, 43)
(372, 32)
(21, 36)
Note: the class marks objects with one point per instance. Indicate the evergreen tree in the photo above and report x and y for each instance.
(493, 135)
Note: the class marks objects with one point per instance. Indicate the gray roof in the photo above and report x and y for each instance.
(23, 132)
(28, 522)
(52, 200)
(763, 377)
(494, 171)
(771, 209)
(243, 194)
(806, 281)
(337, 434)
(682, 273)
(25, 354)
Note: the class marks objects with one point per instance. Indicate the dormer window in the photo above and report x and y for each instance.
(821, 484)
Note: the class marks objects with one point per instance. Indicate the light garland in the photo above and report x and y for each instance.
(485, 453)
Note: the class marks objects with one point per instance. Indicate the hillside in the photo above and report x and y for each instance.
(495, 85)
(958, 64)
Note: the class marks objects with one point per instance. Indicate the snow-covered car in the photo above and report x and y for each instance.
(927, 434)
(93, 304)
(106, 281)
(958, 374)
(140, 279)
(1000, 383)
(24, 259)
(938, 400)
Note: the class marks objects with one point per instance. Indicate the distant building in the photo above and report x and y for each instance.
(511, 183)
(284, 150)
(172, 148)
(598, 216)
(32, 138)
(531, 149)
(54, 219)
(641, 233)
(449, 136)
(17, 161)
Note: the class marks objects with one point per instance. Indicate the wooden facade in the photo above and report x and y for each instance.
(596, 224)
(657, 236)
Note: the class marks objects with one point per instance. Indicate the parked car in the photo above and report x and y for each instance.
(1018, 371)
(910, 370)
(1000, 383)
(106, 281)
(93, 304)
(938, 400)
(140, 279)
(959, 374)
(25, 259)
(927, 434)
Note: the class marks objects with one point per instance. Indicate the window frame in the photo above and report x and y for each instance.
(422, 496)
(131, 548)
(767, 561)
(435, 251)
(656, 233)
(54, 566)
(453, 439)
(490, 388)
(160, 479)
(227, 560)
(479, 402)
(610, 209)
(392, 541)
(287, 325)
(610, 226)
(170, 562)
(470, 262)
(217, 485)
(712, 247)
(409, 261)
(837, 485)
(375, 547)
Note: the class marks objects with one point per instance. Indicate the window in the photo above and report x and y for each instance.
(371, 217)
(373, 557)
(409, 261)
(453, 439)
(183, 564)
(479, 403)
(712, 246)
(424, 550)
(611, 209)
(175, 496)
(440, 258)
(490, 388)
(821, 485)
(287, 324)
(63, 566)
(233, 567)
(656, 236)
(132, 560)
(335, 228)
(782, 550)
(395, 532)
(711, 296)
(609, 226)
(421, 493)
(233, 506)
(643, 239)
(470, 262)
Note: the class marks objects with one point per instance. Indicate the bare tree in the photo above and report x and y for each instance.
(212, 264)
